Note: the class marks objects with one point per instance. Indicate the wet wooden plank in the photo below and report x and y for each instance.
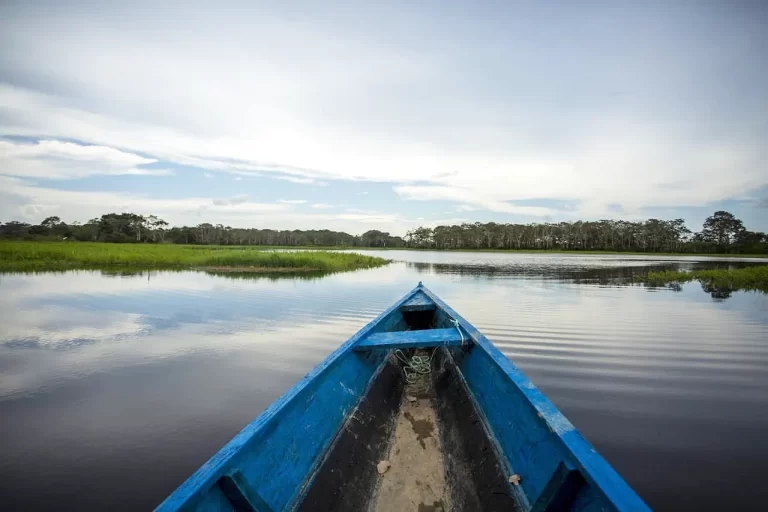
(411, 339)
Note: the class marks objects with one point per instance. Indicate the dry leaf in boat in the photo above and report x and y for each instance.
(382, 467)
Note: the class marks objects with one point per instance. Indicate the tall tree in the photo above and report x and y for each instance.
(722, 229)
(50, 222)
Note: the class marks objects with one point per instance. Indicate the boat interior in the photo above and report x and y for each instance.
(416, 440)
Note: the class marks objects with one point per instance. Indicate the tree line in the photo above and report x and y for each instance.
(130, 227)
(721, 233)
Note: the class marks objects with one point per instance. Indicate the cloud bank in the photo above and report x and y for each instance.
(597, 109)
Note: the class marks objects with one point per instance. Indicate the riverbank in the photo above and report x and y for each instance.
(504, 251)
(558, 251)
(41, 256)
(747, 278)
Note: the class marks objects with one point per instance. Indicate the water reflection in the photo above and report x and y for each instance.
(114, 388)
(117, 272)
(589, 274)
(618, 275)
(256, 276)
(718, 292)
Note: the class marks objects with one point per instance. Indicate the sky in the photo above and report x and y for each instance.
(384, 115)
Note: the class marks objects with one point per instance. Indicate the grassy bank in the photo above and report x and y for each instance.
(20, 256)
(748, 278)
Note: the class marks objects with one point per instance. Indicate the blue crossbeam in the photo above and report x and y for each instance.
(411, 339)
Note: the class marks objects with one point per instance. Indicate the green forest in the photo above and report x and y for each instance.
(722, 233)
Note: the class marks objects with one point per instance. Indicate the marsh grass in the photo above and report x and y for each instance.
(30, 256)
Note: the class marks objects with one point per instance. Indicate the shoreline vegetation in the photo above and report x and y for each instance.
(721, 233)
(42, 256)
(64, 255)
(38, 256)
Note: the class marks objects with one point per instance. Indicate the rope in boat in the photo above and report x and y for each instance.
(456, 324)
(416, 367)
(421, 365)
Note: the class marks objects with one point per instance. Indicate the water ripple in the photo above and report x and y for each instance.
(142, 378)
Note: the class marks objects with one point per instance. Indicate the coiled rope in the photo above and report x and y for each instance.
(414, 368)
(419, 365)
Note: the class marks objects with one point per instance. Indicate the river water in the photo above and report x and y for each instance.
(114, 388)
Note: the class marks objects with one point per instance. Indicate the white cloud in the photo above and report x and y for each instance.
(22, 199)
(624, 165)
(379, 218)
(27, 200)
(340, 99)
(292, 201)
(470, 199)
(600, 173)
(448, 221)
(302, 181)
(52, 159)
(207, 175)
(238, 199)
(322, 206)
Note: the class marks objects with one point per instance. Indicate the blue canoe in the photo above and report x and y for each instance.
(417, 411)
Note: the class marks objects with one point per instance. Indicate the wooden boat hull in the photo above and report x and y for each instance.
(496, 442)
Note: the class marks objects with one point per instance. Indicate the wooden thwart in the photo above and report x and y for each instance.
(410, 339)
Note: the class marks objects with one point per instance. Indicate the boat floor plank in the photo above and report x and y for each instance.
(415, 479)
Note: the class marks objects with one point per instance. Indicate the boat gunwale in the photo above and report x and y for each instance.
(596, 470)
(216, 466)
(313, 472)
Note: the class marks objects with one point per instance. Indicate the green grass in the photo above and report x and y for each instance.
(747, 278)
(26, 256)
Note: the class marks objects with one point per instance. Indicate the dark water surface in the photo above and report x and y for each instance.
(113, 389)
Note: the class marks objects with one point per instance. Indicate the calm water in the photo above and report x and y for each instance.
(113, 389)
